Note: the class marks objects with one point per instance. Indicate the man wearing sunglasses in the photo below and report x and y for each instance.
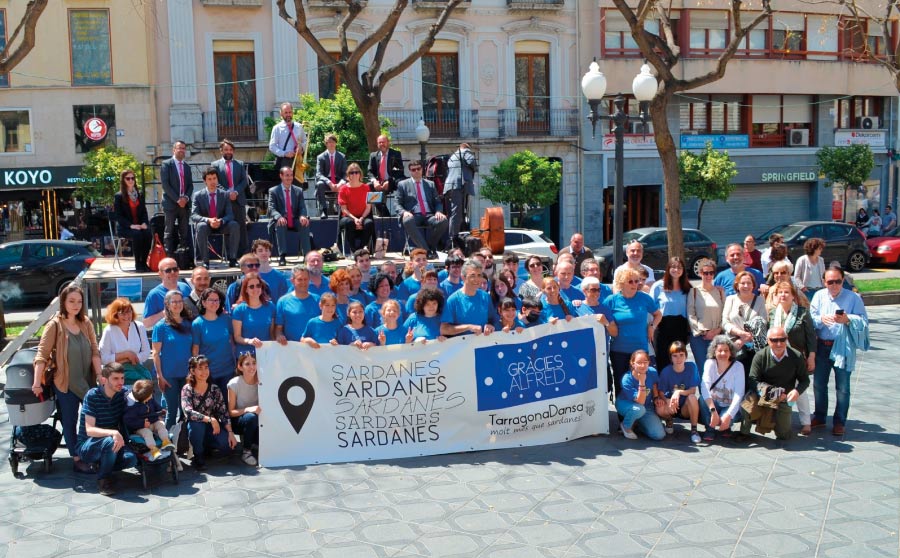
(154, 304)
(781, 367)
(249, 263)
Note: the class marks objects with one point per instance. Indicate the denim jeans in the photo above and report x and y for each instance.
(621, 364)
(100, 451)
(172, 395)
(247, 425)
(637, 415)
(699, 347)
(201, 436)
(68, 404)
(824, 365)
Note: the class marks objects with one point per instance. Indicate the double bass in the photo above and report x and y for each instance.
(491, 231)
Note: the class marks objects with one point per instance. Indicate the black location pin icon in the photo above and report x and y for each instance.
(296, 414)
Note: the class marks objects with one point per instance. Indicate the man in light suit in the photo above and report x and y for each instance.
(233, 178)
(331, 170)
(385, 171)
(418, 204)
(211, 212)
(461, 169)
(287, 211)
(288, 138)
(178, 188)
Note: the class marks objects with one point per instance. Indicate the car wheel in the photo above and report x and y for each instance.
(856, 261)
(694, 267)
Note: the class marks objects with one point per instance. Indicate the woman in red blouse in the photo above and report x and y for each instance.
(356, 221)
(131, 217)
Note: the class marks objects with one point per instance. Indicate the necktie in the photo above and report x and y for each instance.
(423, 209)
(333, 175)
(230, 176)
(181, 176)
(287, 208)
(383, 169)
(212, 205)
(293, 137)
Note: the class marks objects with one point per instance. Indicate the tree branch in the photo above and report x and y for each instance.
(10, 58)
(426, 45)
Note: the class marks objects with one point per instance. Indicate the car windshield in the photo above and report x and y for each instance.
(626, 238)
(764, 237)
(790, 231)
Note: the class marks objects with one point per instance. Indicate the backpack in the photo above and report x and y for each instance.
(436, 171)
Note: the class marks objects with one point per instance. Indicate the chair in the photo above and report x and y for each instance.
(117, 245)
(223, 257)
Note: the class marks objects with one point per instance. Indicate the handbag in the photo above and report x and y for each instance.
(157, 253)
(50, 369)
(758, 328)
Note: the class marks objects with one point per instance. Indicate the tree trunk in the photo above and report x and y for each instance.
(699, 212)
(369, 110)
(669, 158)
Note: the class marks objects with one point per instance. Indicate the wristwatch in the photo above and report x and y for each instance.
(712, 409)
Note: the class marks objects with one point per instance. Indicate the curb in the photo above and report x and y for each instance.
(881, 298)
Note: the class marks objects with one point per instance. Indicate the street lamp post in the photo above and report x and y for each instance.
(422, 134)
(593, 85)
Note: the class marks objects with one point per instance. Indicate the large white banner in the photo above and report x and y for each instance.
(545, 385)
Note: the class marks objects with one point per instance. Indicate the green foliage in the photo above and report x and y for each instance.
(524, 181)
(850, 165)
(101, 173)
(338, 115)
(706, 176)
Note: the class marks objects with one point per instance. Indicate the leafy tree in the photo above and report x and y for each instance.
(706, 176)
(101, 171)
(523, 180)
(365, 83)
(22, 40)
(850, 165)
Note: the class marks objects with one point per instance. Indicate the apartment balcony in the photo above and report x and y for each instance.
(538, 122)
(242, 125)
(444, 123)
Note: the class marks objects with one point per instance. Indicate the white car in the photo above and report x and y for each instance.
(530, 241)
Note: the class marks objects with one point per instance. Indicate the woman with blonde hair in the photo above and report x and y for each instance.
(791, 311)
(630, 307)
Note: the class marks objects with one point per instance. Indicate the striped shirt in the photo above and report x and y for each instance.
(107, 412)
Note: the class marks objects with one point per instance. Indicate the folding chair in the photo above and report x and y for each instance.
(223, 257)
(117, 245)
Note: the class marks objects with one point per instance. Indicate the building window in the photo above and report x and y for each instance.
(329, 78)
(775, 116)
(4, 78)
(90, 48)
(15, 131)
(83, 113)
(617, 39)
(709, 32)
(789, 35)
(236, 116)
(711, 114)
(532, 93)
(754, 43)
(850, 110)
(440, 93)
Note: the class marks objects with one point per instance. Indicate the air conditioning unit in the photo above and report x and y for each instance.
(868, 122)
(637, 127)
(798, 137)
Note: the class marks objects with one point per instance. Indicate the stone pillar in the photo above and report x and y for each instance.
(285, 57)
(185, 116)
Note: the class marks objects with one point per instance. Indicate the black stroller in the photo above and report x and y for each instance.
(32, 440)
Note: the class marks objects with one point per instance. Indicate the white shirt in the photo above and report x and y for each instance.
(114, 341)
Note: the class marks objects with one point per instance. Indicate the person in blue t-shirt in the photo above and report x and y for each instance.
(591, 306)
(253, 319)
(530, 313)
(734, 255)
(451, 281)
(318, 283)
(323, 328)
(382, 288)
(154, 306)
(469, 310)
(555, 305)
(295, 309)
(213, 336)
(425, 322)
(635, 400)
(412, 284)
(679, 382)
(171, 344)
(357, 292)
(509, 318)
(249, 263)
(430, 280)
(355, 332)
(390, 332)
(275, 279)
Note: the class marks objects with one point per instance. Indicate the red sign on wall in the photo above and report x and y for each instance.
(837, 210)
(95, 129)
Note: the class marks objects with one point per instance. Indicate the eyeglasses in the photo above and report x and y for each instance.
(777, 339)
(213, 300)
(251, 265)
(129, 178)
(634, 281)
(254, 286)
(353, 172)
(170, 270)
(415, 169)
(176, 301)
(707, 273)
(591, 289)
(125, 311)
(831, 282)
(534, 264)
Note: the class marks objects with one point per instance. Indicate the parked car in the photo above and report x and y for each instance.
(697, 246)
(531, 241)
(885, 249)
(843, 242)
(37, 269)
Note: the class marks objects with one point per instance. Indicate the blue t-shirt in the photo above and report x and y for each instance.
(175, 350)
(688, 378)
(232, 294)
(725, 279)
(631, 318)
(573, 293)
(373, 314)
(549, 311)
(321, 289)
(396, 336)
(292, 314)
(362, 296)
(630, 387)
(449, 288)
(107, 412)
(278, 283)
(671, 303)
(155, 301)
(605, 290)
(429, 328)
(321, 331)
(340, 312)
(408, 288)
(215, 340)
(477, 309)
(585, 310)
(347, 335)
(255, 322)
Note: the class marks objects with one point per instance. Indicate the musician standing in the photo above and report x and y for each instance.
(175, 175)
(288, 138)
(461, 169)
(232, 176)
(331, 170)
(385, 171)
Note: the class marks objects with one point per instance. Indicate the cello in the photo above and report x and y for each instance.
(491, 231)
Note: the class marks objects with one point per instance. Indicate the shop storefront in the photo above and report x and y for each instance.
(34, 201)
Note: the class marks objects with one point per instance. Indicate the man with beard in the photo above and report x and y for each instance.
(233, 178)
(318, 283)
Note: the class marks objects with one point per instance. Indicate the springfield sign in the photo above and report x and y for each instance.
(545, 385)
(808, 176)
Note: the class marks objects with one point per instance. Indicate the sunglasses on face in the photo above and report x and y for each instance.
(170, 270)
(534, 264)
(832, 282)
(634, 282)
(591, 289)
(251, 265)
(777, 339)
(353, 172)
(129, 178)
(707, 273)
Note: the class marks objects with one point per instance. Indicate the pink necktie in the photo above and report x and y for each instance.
(383, 170)
(181, 176)
(422, 209)
(230, 177)
(287, 208)
(333, 175)
(212, 205)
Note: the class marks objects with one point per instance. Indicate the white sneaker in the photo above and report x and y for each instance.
(670, 428)
(247, 457)
(629, 433)
(695, 437)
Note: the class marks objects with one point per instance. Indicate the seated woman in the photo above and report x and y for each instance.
(125, 341)
(243, 406)
(635, 400)
(356, 221)
(721, 388)
(132, 220)
(207, 417)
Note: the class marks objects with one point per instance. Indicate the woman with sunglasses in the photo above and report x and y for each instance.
(704, 307)
(671, 294)
(172, 340)
(591, 306)
(213, 336)
(356, 221)
(253, 319)
(534, 286)
(132, 219)
(632, 309)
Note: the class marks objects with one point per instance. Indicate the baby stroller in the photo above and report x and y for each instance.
(31, 439)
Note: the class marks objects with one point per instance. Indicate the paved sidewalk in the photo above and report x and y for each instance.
(603, 496)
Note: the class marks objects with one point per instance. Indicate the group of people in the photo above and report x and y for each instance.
(220, 207)
(875, 225)
(748, 333)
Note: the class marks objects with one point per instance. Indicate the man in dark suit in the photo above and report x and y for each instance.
(461, 169)
(418, 205)
(233, 178)
(385, 171)
(287, 211)
(331, 170)
(178, 188)
(211, 212)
